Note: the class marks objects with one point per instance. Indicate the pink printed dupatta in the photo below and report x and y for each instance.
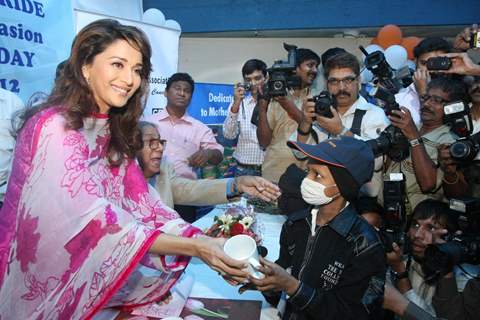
(74, 231)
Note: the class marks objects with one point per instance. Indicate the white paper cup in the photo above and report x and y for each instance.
(244, 248)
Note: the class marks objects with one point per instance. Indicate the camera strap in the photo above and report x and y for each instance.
(357, 121)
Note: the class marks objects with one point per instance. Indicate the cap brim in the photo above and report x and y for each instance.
(315, 152)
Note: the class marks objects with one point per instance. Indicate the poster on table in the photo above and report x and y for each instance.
(34, 37)
(164, 42)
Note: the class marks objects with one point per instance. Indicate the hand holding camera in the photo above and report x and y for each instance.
(468, 38)
(308, 108)
(421, 78)
(402, 119)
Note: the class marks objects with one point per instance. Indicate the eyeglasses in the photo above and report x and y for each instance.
(436, 99)
(346, 81)
(155, 143)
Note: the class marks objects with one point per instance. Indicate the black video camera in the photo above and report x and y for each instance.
(458, 248)
(392, 80)
(323, 102)
(466, 148)
(282, 74)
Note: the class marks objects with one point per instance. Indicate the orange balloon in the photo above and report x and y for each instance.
(389, 35)
(410, 43)
(374, 41)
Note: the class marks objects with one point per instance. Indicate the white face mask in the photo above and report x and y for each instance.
(313, 192)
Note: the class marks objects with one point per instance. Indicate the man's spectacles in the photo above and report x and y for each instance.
(436, 99)
(346, 81)
(155, 143)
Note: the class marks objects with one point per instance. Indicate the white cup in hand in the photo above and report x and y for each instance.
(244, 248)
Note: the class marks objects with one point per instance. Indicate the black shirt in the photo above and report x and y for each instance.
(341, 267)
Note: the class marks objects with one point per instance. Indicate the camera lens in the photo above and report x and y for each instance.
(278, 85)
(460, 150)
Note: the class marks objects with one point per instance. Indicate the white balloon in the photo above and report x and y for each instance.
(173, 24)
(396, 56)
(374, 47)
(366, 76)
(411, 65)
(154, 16)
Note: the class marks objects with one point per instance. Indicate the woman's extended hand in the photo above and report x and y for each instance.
(210, 250)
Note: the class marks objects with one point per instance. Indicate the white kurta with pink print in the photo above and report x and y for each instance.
(74, 231)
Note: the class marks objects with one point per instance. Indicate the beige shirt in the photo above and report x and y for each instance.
(174, 189)
(278, 155)
(431, 141)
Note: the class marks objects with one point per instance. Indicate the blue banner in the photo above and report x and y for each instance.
(35, 36)
(210, 102)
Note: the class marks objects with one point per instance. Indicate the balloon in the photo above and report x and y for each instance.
(373, 47)
(411, 65)
(410, 43)
(154, 16)
(396, 56)
(374, 41)
(173, 24)
(366, 75)
(389, 35)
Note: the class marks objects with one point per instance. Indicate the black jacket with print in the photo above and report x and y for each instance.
(341, 268)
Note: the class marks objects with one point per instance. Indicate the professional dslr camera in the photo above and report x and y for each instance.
(282, 74)
(323, 102)
(391, 141)
(461, 247)
(466, 148)
(385, 75)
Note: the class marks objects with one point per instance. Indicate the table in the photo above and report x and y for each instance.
(208, 284)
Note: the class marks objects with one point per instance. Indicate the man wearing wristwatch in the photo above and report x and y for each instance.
(430, 220)
(352, 116)
(423, 177)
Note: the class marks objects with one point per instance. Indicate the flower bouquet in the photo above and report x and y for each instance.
(235, 221)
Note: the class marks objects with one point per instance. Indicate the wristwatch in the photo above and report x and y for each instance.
(415, 142)
(399, 275)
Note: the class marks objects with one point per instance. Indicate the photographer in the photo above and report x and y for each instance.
(463, 178)
(409, 98)
(351, 116)
(423, 178)
(428, 223)
(248, 154)
(278, 118)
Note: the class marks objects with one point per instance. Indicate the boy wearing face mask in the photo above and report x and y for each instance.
(335, 259)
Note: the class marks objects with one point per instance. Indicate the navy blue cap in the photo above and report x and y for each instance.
(354, 155)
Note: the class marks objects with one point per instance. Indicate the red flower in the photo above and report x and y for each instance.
(237, 228)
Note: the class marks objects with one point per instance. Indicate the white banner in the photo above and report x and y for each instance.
(34, 37)
(164, 42)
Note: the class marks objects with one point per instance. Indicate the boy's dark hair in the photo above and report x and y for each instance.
(342, 60)
(306, 54)
(440, 211)
(252, 65)
(179, 76)
(456, 89)
(431, 44)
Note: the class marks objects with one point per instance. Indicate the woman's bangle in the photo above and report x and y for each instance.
(457, 177)
(304, 133)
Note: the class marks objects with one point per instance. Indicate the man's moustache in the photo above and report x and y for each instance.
(342, 93)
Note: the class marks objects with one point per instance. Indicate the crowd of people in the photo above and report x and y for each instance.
(99, 203)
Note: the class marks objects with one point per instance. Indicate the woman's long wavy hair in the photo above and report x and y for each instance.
(72, 94)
